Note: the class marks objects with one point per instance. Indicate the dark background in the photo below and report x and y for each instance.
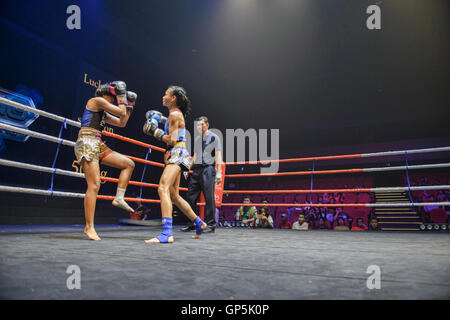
(310, 68)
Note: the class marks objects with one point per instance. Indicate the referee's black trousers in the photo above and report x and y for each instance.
(202, 179)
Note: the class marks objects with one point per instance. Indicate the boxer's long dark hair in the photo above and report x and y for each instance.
(182, 100)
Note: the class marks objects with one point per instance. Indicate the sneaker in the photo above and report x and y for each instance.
(190, 227)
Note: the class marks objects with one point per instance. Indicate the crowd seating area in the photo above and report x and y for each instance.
(433, 214)
(227, 213)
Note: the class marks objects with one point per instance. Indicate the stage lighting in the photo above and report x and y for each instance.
(436, 227)
(422, 227)
(443, 227)
(429, 227)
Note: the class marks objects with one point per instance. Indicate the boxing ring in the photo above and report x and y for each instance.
(232, 263)
(65, 121)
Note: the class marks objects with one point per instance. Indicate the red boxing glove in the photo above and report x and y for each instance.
(131, 97)
(119, 89)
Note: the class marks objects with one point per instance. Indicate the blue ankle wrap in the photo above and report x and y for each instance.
(198, 225)
(166, 230)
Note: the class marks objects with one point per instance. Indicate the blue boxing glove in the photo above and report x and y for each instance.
(151, 129)
(156, 115)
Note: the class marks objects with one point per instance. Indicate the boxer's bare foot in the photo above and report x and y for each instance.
(90, 232)
(156, 240)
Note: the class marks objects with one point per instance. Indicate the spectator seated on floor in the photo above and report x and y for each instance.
(322, 223)
(245, 213)
(322, 213)
(341, 214)
(441, 197)
(341, 225)
(373, 225)
(300, 210)
(263, 219)
(371, 215)
(360, 226)
(284, 223)
(140, 213)
(301, 223)
(350, 222)
(330, 215)
(311, 216)
(427, 197)
(265, 202)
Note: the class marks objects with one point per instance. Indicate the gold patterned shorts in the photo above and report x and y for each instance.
(178, 155)
(90, 146)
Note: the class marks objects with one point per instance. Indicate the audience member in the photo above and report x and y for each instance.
(373, 225)
(371, 215)
(330, 215)
(301, 224)
(285, 223)
(360, 226)
(265, 202)
(441, 197)
(340, 214)
(338, 197)
(140, 213)
(427, 197)
(350, 222)
(263, 219)
(322, 223)
(246, 213)
(322, 213)
(311, 216)
(300, 210)
(340, 225)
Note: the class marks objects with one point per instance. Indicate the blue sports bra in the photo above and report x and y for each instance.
(181, 131)
(93, 119)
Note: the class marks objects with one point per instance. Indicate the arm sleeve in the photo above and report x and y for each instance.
(217, 143)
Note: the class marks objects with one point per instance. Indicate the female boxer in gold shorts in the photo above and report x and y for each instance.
(90, 149)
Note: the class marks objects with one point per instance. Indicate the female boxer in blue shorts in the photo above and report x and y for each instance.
(177, 159)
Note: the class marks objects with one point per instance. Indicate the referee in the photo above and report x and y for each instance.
(204, 176)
